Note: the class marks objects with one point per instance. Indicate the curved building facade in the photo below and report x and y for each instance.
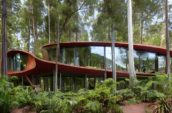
(80, 64)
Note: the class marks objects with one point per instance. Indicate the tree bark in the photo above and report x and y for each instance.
(35, 34)
(28, 43)
(49, 30)
(57, 57)
(113, 54)
(168, 61)
(131, 67)
(141, 28)
(4, 38)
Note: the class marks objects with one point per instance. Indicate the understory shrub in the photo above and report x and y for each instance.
(105, 98)
(163, 106)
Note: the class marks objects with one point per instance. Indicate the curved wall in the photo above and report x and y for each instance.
(97, 55)
(89, 58)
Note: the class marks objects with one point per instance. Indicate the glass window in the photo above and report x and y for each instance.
(97, 57)
(84, 56)
(144, 61)
(79, 83)
(17, 62)
(67, 84)
(52, 53)
(120, 58)
(161, 63)
(68, 56)
(46, 83)
(108, 58)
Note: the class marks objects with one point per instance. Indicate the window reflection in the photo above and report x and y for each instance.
(120, 58)
(69, 56)
(108, 58)
(144, 61)
(161, 63)
(67, 84)
(93, 56)
(52, 53)
(17, 62)
(84, 56)
(97, 57)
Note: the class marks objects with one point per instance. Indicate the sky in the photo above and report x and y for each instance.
(170, 1)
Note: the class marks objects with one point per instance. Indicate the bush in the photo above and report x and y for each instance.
(104, 98)
(163, 107)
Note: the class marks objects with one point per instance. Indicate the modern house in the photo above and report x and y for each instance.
(80, 64)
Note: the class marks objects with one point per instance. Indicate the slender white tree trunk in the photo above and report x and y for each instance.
(49, 38)
(113, 55)
(168, 60)
(131, 67)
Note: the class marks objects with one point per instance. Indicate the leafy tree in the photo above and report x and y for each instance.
(110, 12)
(144, 12)
(34, 24)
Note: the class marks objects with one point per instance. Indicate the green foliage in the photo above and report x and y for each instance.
(100, 100)
(22, 96)
(13, 97)
(5, 94)
(147, 90)
(163, 107)
(104, 98)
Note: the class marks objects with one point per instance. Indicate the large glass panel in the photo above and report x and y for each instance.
(17, 62)
(52, 53)
(91, 83)
(84, 56)
(79, 83)
(68, 56)
(108, 58)
(161, 63)
(144, 61)
(67, 84)
(97, 57)
(120, 58)
(46, 83)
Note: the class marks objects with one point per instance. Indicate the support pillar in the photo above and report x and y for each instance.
(86, 82)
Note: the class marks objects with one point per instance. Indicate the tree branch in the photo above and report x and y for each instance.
(69, 17)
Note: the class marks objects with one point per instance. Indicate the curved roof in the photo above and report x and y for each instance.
(148, 48)
(37, 66)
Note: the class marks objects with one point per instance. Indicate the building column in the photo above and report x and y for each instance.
(86, 82)
(55, 80)
(105, 73)
(156, 63)
(73, 83)
(60, 81)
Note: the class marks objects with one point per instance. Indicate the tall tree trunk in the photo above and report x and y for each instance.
(113, 54)
(76, 38)
(57, 57)
(131, 67)
(4, 38)
(168, 61)
(28, 43)
(56, 66)
(35, 34)
(0, 59)
(49, 38)
(141, 28)
(109, 33)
